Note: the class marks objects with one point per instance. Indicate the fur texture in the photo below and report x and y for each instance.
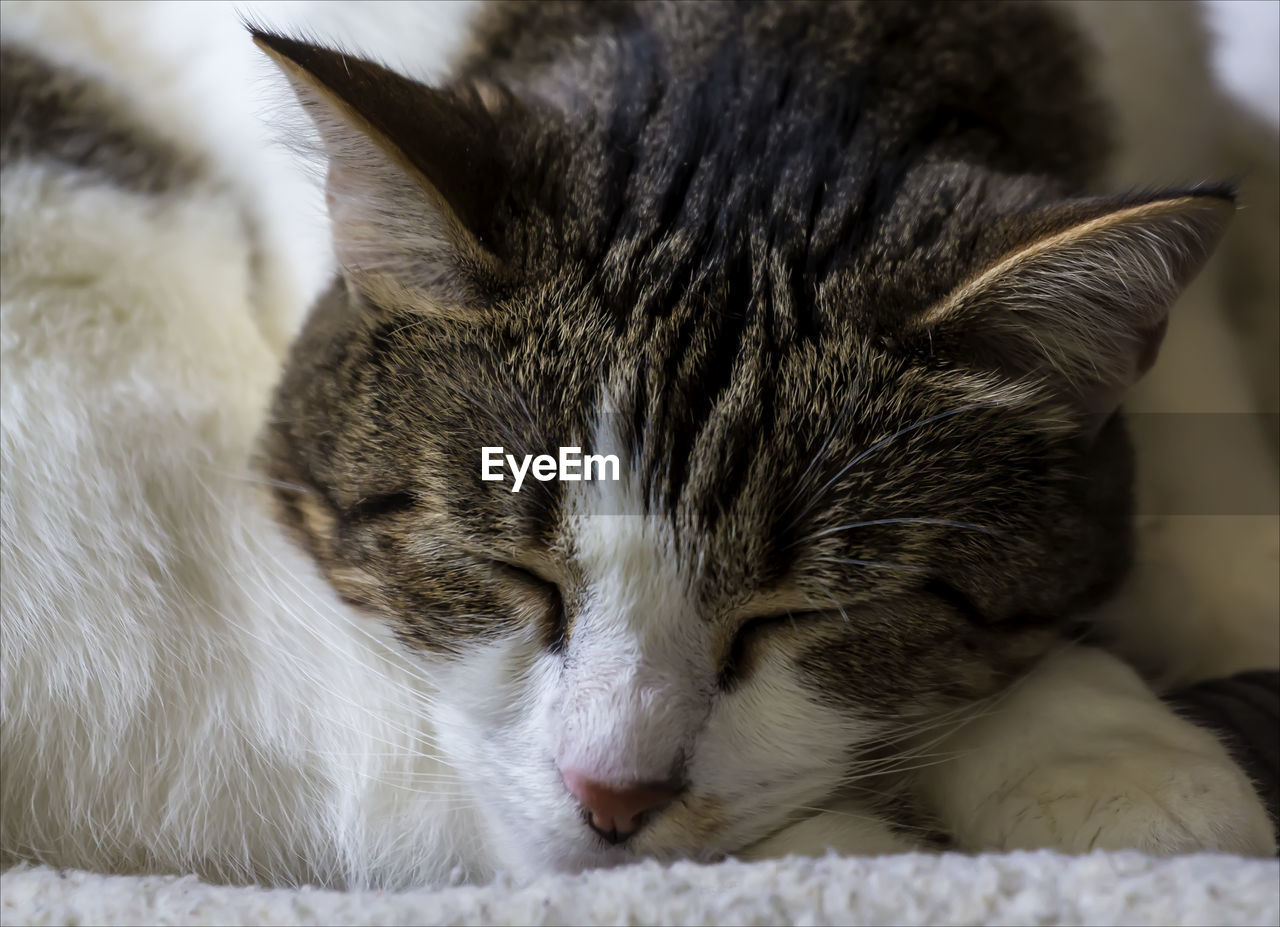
(870, 478)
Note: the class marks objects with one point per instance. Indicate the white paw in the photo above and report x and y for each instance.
(1081, 755)
(1154, 799)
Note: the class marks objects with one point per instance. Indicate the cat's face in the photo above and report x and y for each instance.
(831, 545)
(851, 497)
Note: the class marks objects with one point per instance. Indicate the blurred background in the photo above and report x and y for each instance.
(1245, 34)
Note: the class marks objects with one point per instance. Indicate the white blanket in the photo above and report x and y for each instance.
(1017, 888)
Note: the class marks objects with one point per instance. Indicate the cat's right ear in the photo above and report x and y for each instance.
(413, 177)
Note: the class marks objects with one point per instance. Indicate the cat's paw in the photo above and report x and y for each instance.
(1154, 799)
(1081, 755)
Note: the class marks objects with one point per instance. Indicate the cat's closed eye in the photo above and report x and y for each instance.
(753, 632)
(956, 599)
(556, 618)
(379, 505)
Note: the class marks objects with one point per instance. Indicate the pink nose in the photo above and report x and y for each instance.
(615, 812)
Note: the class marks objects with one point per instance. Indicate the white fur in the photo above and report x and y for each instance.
(1080, 755)
(143, 576)
(180, 690)
(184, 687)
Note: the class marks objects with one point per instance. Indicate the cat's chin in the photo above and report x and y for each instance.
(614, 858)
(583, 862)
(570, 860)
(575, 859)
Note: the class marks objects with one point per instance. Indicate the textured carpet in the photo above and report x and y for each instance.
(1017, 888)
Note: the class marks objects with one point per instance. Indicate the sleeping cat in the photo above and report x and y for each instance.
(832, 283)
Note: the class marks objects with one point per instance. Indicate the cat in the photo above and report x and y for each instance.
(833, 282)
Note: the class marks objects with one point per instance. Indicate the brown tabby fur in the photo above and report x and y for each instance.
(746, 231)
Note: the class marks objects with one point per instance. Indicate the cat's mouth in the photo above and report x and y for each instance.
(689, 827)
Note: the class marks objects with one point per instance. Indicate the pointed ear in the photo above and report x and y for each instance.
(1080, 296)
(413, 176)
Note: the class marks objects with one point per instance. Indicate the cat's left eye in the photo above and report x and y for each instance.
(736, 661)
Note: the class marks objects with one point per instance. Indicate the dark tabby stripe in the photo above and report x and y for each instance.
(50, 113)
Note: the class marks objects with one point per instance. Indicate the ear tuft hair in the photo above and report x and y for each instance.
(1081, 297)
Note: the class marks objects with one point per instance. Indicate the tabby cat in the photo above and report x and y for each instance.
(835, 284)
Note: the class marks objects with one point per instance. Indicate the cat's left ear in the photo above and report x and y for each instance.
(1080, 296)
(414, 179)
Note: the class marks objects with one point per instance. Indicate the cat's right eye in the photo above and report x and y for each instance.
(378, 505)
(557, 620)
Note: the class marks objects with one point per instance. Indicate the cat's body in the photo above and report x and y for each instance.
(199, 719)
(184, 690)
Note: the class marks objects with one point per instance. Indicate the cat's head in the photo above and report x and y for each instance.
(869, 462)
